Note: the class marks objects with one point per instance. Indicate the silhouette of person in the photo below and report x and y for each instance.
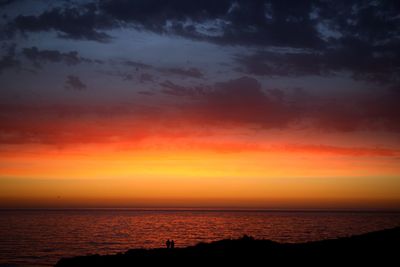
(168, 243)
(172, 243)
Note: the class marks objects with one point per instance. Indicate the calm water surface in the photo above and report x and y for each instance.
(39, 238)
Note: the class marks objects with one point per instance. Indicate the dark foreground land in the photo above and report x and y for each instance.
(377, 249)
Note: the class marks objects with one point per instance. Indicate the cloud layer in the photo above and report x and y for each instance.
(251, 56)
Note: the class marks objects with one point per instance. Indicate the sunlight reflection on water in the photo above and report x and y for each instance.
(42, 237)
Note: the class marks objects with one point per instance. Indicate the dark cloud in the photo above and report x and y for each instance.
(241, 22)
(226, 22)
(137, 65)
(239, 101)
(127, 77)
(171, 88)
(339, 116)
(153, 14)
(190, 72)
(384, 109)
(244, 101)
(80, 23)
(358, 37)
(43, 56)
(6, 2)
(184, 72)
(145, 77)
(74, 83)
(271, 23)
(361, 38)
(330, 36)
(379, 111)
(281, 64)
(8, 60)
(302, 24)
(374, 63)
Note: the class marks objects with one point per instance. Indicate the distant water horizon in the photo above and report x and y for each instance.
(247, 209)
(40, 237)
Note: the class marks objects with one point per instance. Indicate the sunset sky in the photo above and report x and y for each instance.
(200, 104)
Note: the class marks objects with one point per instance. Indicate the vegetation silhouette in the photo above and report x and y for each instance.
(377, 248)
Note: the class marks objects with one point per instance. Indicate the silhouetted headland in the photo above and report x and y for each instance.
(378, 248)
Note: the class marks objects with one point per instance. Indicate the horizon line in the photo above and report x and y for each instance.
(204, 209)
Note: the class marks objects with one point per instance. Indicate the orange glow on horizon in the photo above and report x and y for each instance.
(199, 171)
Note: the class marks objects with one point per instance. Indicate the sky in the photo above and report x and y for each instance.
(200, 104)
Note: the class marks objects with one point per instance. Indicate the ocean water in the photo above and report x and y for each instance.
(40, 238)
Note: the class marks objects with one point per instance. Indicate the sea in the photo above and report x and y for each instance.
(42, 237)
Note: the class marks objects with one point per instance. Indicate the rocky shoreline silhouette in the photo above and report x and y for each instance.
(379, 248)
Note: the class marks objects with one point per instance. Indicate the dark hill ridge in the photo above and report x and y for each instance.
(380, 248)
